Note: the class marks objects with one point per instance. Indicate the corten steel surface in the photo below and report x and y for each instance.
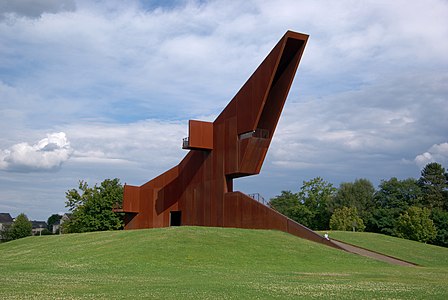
(200, 136)
(199, 191)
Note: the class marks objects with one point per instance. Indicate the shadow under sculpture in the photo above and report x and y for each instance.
(199, 190)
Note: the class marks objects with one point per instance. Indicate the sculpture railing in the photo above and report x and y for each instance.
(259, 198)
(185, 143)
(257, 133)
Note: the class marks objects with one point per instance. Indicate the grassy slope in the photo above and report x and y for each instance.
(419, 253)
(199, 262)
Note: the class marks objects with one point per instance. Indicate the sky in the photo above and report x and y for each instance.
(91, 90)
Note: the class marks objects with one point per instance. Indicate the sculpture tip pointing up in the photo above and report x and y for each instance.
(199, 190)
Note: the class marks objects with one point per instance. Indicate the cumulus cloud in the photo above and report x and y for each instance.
(46, 155)
(437, 153)
(119, 78)
(35, 8)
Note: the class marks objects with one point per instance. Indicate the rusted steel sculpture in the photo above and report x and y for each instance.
(199, 191)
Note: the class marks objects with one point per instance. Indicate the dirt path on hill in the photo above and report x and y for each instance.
(372, 254)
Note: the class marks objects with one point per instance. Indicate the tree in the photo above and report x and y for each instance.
(284, 202)
(415, 224)
(309, 206)
(440, 219)
(315, 195)
(21, 227)
(92, 207)
(358, 194)
(401, 194)
(383, 220)
(434, 183)
(392, 198)
(287, 203)
(53, 219)
(346, 218)
(302, 214)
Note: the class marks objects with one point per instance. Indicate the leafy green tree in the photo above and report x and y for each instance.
(440, 219)
(287, 203)
(91, 207)
(301, 214)
(316, 195)
(401, 194)
(382, 220)
(284, 202)
(415, 224)
(358, 194)
(53, 219)
(309, 206)
(392, 198)
(21, 227)
(434, 183)
(346, 218)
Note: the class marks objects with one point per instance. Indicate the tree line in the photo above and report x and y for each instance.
(414, 209)
(90, 210)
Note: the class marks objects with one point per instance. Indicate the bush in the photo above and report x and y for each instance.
(21, 227)
(415, 224)
(45, 231)
(346, 219)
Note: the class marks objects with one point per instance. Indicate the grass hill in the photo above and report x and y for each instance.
(215, 263)
(418, 253)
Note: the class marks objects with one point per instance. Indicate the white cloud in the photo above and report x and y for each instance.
(46, 155)
(119, 78)
(35, 8)
(153, 143)
(437, 153)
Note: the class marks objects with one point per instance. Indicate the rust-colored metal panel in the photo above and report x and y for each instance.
(232, 211)
(234, 145)
(251, 97)
(252, 214)
(131, 196)
(252, 152)
(200, 135)
(255, 215)
(231, 146)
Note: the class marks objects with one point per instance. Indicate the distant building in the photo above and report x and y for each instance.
(59, 225)
(56, 227)
(38, 227)
(5, 221)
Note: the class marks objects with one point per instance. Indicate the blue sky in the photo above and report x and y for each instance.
(102, 89)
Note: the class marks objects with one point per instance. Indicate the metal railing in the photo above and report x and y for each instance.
(257, 133)
(259, 198)
(185, 143)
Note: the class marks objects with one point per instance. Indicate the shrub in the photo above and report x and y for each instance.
(415, 224)
(346, 218)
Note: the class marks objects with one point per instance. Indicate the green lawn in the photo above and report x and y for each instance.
(419, 253)
(212, 263)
